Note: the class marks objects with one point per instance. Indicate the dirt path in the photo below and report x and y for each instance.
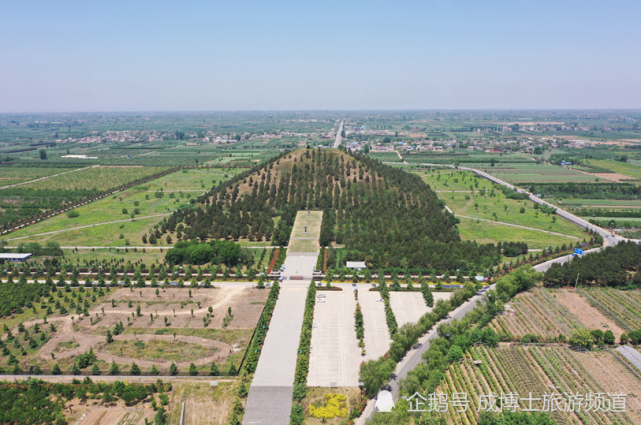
(85, 342)
(589, 316)
(84, 227)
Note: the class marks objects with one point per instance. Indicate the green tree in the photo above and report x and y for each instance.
(193, 370)
(135, 370)
(582, 337)
(43, 154)
(427, 293)
(173, 369)
(375, 373)
(242, 390)
(608, 337)
(114, 369)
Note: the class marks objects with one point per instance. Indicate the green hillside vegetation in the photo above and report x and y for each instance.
(383, 215)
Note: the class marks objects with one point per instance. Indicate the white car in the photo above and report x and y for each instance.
(380, 300)
(321, 296)
(321, 300)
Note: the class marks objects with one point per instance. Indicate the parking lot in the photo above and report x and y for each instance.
(408, 307)
(377, 339)
(335, 356)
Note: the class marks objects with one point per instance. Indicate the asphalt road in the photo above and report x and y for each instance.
(339, 139)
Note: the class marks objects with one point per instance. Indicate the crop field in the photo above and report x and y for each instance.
(589, 316)
(603, 203)
(537, 313)
(160, 326)
(633, 171)
(97, 178)
(472, 198)
(385, 156)
(544, 173)
(13, 175)
(623, 307)
(101, 223)
(541, 370)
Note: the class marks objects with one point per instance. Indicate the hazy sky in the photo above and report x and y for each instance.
(236, 55)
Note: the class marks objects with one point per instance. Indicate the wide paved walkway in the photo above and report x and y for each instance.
(270, 395)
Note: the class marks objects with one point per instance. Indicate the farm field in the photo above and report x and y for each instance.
(623, 307)
(590, 317)
(179, 325)
(385, 156)
(544, 173)
(13, 175)
(603, 203)
(536, 369)
(537, 313)
(633, 171)
(97, 178)
(177, 190)
(477, 198)
(548, 313)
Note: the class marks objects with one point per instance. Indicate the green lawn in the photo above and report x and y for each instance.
(484, 232)
(448, 180)
(178, 189)
(454, 188)
(313, 224)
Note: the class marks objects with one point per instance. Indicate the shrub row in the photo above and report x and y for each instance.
(392, 325)
(302, 364)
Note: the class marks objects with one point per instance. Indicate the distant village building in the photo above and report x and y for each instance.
(79, 156)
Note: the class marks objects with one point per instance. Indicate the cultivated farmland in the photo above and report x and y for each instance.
(521, 173)
(623, 307)
(96, 178)
(14, 175)
(542, 370)
(537, 313)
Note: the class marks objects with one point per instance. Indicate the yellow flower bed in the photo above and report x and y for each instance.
(335, 405)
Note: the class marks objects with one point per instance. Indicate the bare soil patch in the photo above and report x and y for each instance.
(204, 404)
(611, 176)
(182, 338)
(588, 315)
